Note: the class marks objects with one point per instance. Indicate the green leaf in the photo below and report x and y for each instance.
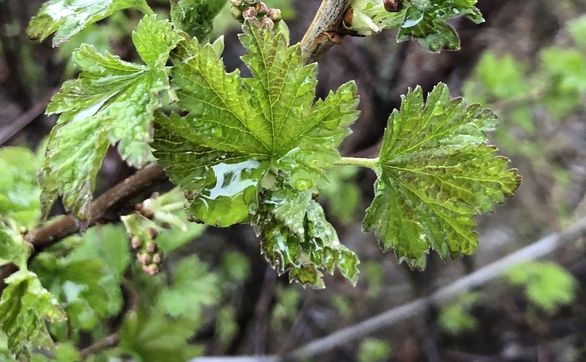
(457, 318)
(13, 248)
(297, 239)
(237, 128)
(436, 172)
(66, 18)
(78, 285)
(24, 308)
(150, 336)
(196, 17)
(19, 190)
(193, 288)
(424, 20)
(547, 285)
(112, 102)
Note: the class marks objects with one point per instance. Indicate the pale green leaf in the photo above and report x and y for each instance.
(112, 102)
(436, 173)
(239, 127)
(25, 307)
(150, 336)
(19, 190)
(547, 285)
(13, 248)
(193, 289)
(66, 18)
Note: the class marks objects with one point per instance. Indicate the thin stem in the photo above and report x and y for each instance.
(371, 163)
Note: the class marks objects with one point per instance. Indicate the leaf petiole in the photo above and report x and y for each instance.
(371, 163)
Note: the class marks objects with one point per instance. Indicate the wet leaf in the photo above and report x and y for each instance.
(425, 21)
(112, 102)
(24, 308)
(436, 172)
(196, 17)
(237, 128)
(298, 240)
(66, 18)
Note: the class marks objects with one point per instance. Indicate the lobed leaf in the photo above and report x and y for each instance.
(112, 102)
(242, 132)
(24, 308)
(436, 172)
(298, 240)
(66, 18)
(237, 128)
(424, 20)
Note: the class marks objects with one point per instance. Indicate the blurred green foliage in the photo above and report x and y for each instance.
(456, 318)
(547, 285)
(374, 350)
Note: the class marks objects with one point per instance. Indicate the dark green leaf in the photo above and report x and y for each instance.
(424, 20)
(237, 128)
(196, 17)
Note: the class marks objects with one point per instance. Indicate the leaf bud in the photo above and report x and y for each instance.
(274, 15)
(393, 6)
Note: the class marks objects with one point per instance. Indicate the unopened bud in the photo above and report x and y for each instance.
(157, 258)
(150, 269)
(236, 3)
(144, 258)
(393, 6)
(249, 13)
(135, 242)
(261, 8)
(151, 247)
(153, 233)
(274, 15)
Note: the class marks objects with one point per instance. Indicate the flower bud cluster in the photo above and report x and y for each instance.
(255, 12)
(147, 251)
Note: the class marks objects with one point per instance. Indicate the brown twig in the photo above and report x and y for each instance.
(24, 119)
(319, 35)
(50, 234)
(101, 345)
